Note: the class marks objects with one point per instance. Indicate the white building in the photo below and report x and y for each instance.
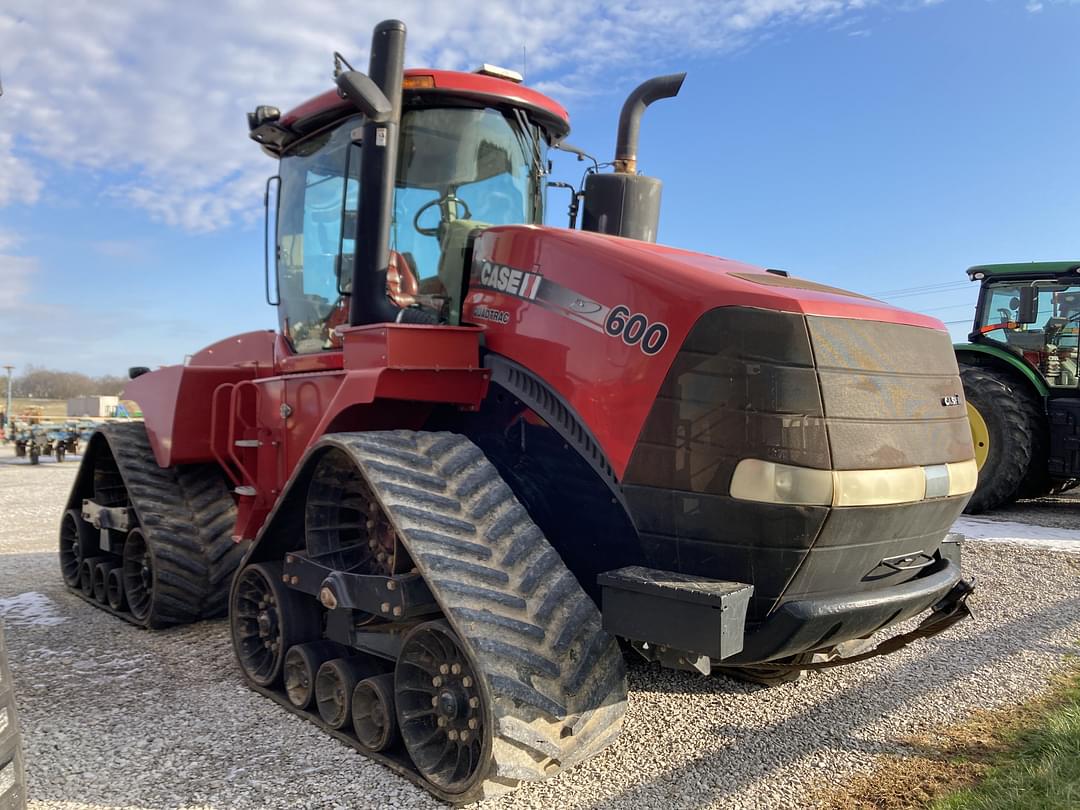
(92, 406)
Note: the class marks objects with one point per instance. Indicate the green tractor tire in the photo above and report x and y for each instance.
(1005, 425)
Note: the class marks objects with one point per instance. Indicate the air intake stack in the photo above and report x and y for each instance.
(625, 203)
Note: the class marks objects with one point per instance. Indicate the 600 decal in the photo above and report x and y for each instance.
(635, 329)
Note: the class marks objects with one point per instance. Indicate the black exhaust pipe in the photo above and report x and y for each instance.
(378, 156)
(626, 141)
(626, 203)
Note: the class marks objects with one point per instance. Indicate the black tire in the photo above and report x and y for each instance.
(1011, 415)
(267, 618)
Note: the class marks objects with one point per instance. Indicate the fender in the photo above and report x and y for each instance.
(542, 399)
(1008, 358)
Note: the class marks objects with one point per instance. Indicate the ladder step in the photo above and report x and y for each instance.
(248, 443)
(245, 491)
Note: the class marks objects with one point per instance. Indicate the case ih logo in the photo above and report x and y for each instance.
(508, 280)
(950, 400)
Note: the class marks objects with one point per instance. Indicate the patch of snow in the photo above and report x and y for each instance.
(30, 609)
(1023, 534)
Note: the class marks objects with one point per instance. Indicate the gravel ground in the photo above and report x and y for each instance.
(116, 717)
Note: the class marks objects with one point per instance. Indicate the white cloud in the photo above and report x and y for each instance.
(19, 182)
(1034, 6)
(15, 274)
(156, 92)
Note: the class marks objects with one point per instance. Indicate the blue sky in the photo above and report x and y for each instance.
(874, 146)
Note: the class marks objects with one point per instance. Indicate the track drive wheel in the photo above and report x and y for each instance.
(77, 542)
(1004, 423)
(266, 619)
(441, 708)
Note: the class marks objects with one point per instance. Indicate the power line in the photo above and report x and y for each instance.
(920, 287)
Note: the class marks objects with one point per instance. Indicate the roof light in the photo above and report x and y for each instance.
(500, 73)
(978, 276)
(423, 82)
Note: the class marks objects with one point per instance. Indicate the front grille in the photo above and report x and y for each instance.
(827, 393)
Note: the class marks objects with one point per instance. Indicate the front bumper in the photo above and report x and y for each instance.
(809, 625)
(678, 626)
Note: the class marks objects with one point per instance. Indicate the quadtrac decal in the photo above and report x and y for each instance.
(634, 329)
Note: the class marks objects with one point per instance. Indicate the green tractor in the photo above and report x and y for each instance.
(1021, 375)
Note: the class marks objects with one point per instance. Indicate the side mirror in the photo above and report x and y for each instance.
(1029, 305)
(366, 95)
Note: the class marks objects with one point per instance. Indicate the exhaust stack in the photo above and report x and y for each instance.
(378, 156)
(625, 203)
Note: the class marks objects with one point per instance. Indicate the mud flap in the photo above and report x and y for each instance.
(12, 772)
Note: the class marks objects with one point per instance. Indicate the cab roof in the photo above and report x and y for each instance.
(421, 82)
(1022, 270)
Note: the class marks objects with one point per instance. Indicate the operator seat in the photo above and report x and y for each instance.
(455, 239)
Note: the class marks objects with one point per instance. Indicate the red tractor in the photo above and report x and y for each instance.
(484, 459)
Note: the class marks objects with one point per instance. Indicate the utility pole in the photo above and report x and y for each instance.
(7, 411)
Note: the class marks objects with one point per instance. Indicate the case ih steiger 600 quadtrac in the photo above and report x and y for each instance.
(482, 455)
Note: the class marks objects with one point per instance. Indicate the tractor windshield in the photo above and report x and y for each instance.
(459, 169)
(1039, 321)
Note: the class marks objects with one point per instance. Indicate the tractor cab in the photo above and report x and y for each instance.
(1032, 312)
(471, 152)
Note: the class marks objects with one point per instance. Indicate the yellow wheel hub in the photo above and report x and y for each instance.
(980, 436)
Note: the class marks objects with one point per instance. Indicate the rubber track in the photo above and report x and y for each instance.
(999, 400)
(556, 679)
(187, 516)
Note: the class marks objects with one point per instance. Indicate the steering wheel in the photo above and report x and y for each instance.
(445, 200)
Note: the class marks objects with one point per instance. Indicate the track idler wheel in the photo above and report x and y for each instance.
(78, 540)
(302, 664)
(268, 618)
(138, 574)
(373, 714)
(441, 708)
(114, 588)
(86, 574)
(334, 685)
(101, 579)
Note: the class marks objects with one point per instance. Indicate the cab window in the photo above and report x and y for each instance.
(1039, 321)
(315, 199)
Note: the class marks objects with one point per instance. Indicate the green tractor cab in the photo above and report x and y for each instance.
(1021, 375)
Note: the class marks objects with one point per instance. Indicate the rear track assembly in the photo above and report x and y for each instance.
(160, 538)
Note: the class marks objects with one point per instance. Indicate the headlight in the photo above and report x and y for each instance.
(768, 482)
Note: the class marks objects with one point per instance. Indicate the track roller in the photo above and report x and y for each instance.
(334, 685)
(78, 540)
(267, 620)
(302, 663)
(114, 588)
(101, 579)
(86, 574)
(373, 714)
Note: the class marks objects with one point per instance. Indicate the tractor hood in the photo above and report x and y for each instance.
(602, 319)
